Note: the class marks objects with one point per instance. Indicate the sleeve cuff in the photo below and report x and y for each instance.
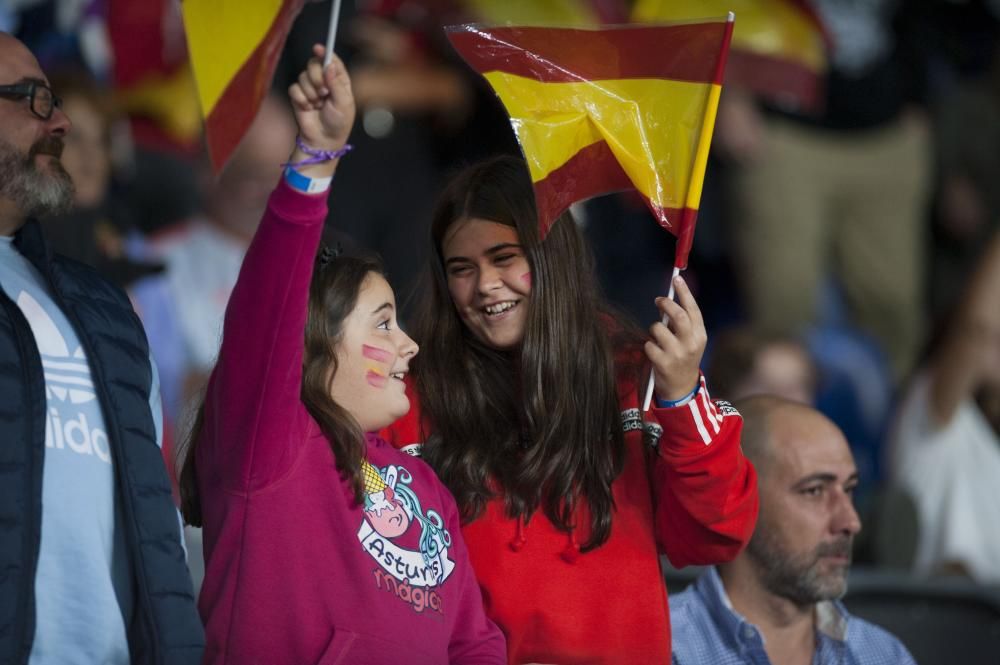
(293, 205)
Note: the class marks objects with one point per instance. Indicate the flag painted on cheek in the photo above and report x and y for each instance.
(376, 379)
(376, 354)
(609, 109)
(376, 375)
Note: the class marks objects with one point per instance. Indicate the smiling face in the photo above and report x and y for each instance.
(32, 179)
(802, 542)
(373, 356)
(489, 280)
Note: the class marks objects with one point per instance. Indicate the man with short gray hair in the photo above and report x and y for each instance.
(778, 601)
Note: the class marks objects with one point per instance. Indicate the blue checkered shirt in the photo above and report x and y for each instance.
(706, 629)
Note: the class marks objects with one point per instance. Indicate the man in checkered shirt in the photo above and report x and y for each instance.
(777, 602)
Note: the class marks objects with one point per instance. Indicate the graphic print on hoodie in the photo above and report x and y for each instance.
(409, 545)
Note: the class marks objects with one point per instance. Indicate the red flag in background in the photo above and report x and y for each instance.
(234, 47)
(151, 77)
(609, 109)
(779, 46)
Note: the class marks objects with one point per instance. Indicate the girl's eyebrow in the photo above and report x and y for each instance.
(490, 251)
(502, 246)
(385, 305)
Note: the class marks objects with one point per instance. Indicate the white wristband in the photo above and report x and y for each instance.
(305, 183)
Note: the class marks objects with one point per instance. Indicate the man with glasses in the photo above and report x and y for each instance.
(93, 570)
(41, 100)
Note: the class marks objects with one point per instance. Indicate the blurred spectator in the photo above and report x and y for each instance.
(840, 192)
(946, 447)
(93, 230)
(183, 307)
(968, 202)
(829, 369)
(743, 363)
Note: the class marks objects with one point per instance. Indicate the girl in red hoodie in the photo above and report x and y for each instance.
(323, 544)
(528, 390)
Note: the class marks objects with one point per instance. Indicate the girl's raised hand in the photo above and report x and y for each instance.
(323, 104)
(676, 348)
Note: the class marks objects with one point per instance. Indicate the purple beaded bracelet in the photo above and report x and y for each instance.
(317, 156)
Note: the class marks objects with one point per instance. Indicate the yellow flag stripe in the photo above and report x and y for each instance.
(704, 145)
(222, 35)
(774, 28)
(651, 125)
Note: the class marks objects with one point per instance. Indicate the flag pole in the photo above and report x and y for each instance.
(332, 31)
(697, 178)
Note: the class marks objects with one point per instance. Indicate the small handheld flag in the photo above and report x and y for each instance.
(234, 47)
(609, 109)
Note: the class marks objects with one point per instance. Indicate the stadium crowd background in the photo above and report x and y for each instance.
(863, 347)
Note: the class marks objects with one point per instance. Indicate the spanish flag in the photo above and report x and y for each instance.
(609, 109)
(779, 46)
(234, 47)
(151, 77)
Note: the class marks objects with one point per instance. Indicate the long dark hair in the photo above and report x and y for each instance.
(541, 424)
(333, 293)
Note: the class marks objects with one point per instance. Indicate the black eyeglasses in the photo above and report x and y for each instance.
(43, 102)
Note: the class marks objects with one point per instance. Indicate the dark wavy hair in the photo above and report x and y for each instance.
(540, 424)
(333, 293)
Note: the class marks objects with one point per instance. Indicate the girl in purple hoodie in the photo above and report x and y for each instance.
(323, 544)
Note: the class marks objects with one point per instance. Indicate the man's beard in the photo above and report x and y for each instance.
(35, 192)
(799, 577)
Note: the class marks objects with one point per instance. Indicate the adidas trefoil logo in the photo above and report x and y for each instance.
(67, 376)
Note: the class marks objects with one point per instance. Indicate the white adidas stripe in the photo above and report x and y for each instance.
(707, 405)
(696, 413)
(66, 366)
(69, 380)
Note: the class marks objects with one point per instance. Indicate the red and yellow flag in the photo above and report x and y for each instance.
(609, 109)
(234, 47)
(779, 47)
(152, 80)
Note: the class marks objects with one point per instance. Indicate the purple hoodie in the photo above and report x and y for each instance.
(295, 571)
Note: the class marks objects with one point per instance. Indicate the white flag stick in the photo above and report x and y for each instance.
(665, 320)
(331, 34)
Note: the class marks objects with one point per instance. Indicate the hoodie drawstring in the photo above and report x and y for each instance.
(519, 538)
(572, 551)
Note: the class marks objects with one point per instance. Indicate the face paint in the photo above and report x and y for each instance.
(526, 278)
(376, 378)
(376, 354)
(376, 375)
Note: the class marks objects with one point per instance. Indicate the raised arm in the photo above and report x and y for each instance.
(705, 490)
(972, 342)
(254, 421)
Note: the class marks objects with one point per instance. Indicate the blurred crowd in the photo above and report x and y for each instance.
(847, 258)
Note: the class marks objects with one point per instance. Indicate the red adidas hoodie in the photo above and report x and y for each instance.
(693, 498)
